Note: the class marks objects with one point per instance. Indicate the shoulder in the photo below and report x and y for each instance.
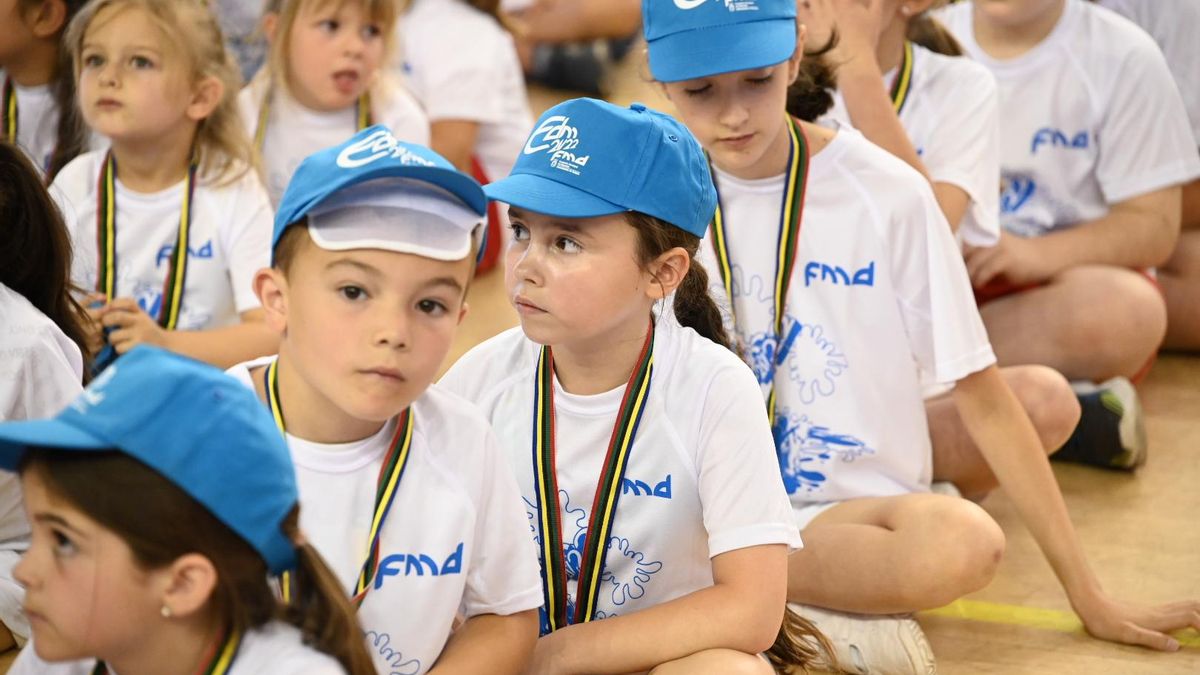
(1101, 40)
(78, 177)
(436, 15)
(279, 649)
(954, 77)
(698, 368)
(491, 365)
(443, 414)
(242, 371)
(35, 345)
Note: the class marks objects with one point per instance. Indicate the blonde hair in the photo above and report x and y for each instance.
(221, 146)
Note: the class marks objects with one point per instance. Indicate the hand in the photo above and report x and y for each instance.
(546, 657)
(93, 306)
(1017, 260)
(1108, 619)
(131, 326)
(858, 23)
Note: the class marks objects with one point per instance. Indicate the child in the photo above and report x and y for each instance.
(173, 197)
(322, 83)
(42, 338)
(478, 110)
(683, 550)
(1091, 185)
(878, 295)
(155, 527)
(37, 105)
(373, 252)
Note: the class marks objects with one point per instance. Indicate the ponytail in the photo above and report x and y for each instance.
(321, 610)
(801, 645)
(694, 307)
(928, 32)
(811, 95)
(71, 135)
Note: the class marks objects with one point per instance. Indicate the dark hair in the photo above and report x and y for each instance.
(71, 136)
(294, 237)
(801, 644)
(146, 511)
(35, 249)
(694, 307)
(811, 95)
(932, 35)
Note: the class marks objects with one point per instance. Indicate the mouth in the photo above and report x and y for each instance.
(386, 374)
(736, 142)
(524, 306)
(108, 104)
(33, 617)
(346, 81)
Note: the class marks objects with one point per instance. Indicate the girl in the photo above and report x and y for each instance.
(878, 295)
(43, 341)
(113, 582)
(37, 108)
(172, 197)
(683, 549)
(322, 83)
(478, 111)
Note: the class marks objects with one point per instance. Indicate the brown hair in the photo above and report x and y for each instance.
(928, 32)
(35, 249)
(71, 134)
(811, 95)
(221, 144)
(694, 307)
(145, 510)
(801, 644)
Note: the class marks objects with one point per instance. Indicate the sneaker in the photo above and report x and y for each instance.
(1111, 431)
(873, 645)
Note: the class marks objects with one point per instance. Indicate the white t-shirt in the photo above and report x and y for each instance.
(274, 649)
(1088, 118)
(40, 373)
(879, 295)
(1173, 25)
(483, 84)
(701, 478)
(37, 121)
(230, 240)
(294, 131)
(952, 119)
(454, 539)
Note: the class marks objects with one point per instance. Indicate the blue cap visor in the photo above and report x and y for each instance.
(542, 195)
(18, 437)
(727, 48)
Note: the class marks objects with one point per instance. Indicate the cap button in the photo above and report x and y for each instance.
(638, 107)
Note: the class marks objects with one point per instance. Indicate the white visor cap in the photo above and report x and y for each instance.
(395, 214)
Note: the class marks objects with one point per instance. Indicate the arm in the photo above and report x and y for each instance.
(489, 643)
(454, 140)
(221, 347)
(742, 611)
(998, 425)
(579, 20)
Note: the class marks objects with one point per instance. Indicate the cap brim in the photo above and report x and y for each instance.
(543, 195)
(705, 52)
(17, 437)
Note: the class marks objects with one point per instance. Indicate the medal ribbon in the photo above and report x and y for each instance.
(8, 116)
(902, 81)
(608, 489)
(362, 116)
(106, 243)
(386, 485)
(217, 662)
(790, 217)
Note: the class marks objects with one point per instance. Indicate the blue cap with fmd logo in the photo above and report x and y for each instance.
(590, 158)
(194, 425)
(687, 39)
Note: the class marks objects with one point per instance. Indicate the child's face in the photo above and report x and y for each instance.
(133, 83)
(1014, 13)
(334, 51)
(738, 116)
(368, 329)
(573, 280)
(85, 595)
(16, 36)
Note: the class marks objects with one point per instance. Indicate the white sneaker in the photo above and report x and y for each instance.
(873, 645)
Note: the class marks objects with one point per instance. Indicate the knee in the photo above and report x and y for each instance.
(1049, 401)
(1132, 324)
(965, 552)
(716, 661)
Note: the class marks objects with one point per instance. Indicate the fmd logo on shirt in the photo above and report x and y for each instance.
(1055, 138)
(377, 146)
(661, 489)
(555, 136)
(839, 276)
(407, 564)
(204, 252)
(731, 5)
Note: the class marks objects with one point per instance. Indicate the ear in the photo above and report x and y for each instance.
(49, 19)
(188, 584)
(667, 272)
(909, 9)
(271, 287)
(270, 24)
(206, 96)
(462, 312)
(793, 67)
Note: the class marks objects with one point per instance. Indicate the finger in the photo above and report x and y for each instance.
(122, 305)
(123, 340)
(118, 319)
(1137, 635)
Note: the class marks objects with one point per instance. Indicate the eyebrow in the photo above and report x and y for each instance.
(362, 266)
(53, 519)
(126, 48)
(566, 226)
(451, 282)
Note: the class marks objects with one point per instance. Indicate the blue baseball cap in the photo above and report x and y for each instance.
(687, 39)
(193, 424)
(374, 191)
(590, 158)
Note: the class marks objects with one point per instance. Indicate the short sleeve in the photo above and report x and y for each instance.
(69, 191)
(741, 488)
(247, 239)
(38, 380)
(469, 84)
(504, 568)
(406, 118)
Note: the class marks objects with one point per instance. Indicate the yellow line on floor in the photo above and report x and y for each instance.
(1033, 617)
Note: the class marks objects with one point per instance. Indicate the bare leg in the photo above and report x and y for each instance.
(7, 641)
(716, 662)
(890, 555)
(1180, 279)
(1046, 397)
(1089, 323)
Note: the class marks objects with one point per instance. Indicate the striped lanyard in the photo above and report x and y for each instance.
(902, 81)
(216, 662)
(362, 116)
(106, 243)
(604, 504)
(8, 116)
(386, 485)
(791, 213)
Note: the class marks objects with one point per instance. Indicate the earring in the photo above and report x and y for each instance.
(165, 611)
(905, 10)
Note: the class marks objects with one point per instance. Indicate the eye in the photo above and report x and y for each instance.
(63, 546)
(328, 25)
(371, 32)
(431, 307)
(698, 91)
(760, 80)
(520, 232)
(141, 62)
(567, 245)
(352, 293)
(92, 60)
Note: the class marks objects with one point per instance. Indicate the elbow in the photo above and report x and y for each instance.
(755, 630)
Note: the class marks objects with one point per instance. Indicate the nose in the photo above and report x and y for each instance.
(354, 42)
(733, 113)
(24, 571)
(108, 76)
(525, 262)
(393, 329)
